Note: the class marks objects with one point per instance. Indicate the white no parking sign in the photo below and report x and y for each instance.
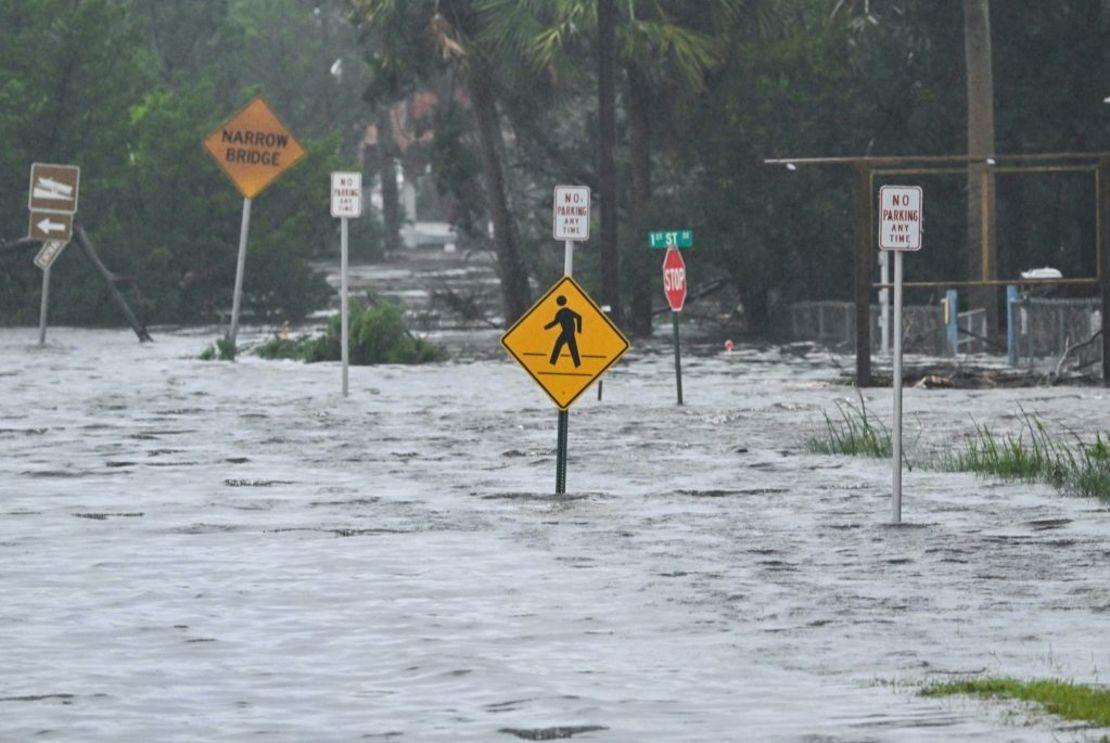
(900, 218)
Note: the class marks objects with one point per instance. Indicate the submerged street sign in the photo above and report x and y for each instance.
(254, 148)
(900, 218)
(53, 188)
(565, 342)
(671, 239)
(571, 218)
(50, 226)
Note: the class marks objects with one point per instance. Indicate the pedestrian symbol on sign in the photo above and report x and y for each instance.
(570, 322)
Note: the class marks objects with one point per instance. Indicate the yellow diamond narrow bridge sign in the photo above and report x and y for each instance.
(565, 342)
(254, 148)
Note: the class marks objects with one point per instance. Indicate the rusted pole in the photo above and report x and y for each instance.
(1102, 228)
(863, 257)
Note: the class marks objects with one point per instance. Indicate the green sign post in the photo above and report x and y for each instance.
(671, 239)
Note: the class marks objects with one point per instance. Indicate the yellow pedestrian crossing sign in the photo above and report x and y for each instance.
(565, 342)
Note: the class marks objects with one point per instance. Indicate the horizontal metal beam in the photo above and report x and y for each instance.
(898, 160)
(990, 282)
(992, 169)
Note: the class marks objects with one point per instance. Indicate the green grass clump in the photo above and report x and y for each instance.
(854, 434)
(377, 335)
(223, 350)
(1070, 701)
(1092, 475)
(1039, 457)
(283, 348)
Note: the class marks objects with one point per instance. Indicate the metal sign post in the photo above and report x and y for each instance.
(601, 382)
(896, 495)
(44, 305)
(344, 306)
(899, 232)
(346, 202)
(564, 415)
(677, 357)
(240, 265)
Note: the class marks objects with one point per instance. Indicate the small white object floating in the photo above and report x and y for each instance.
(1042, 273)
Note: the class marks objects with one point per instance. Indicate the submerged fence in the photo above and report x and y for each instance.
(1040, 330)
(834, 324)
(1046, 329)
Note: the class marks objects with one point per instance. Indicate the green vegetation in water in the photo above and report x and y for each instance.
(377, 336)
(1070, 701)
(1039, 457)
(222, 350)
(854, 433)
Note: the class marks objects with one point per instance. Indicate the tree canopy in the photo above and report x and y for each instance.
(705, 91)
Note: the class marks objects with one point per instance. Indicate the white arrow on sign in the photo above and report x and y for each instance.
(47, 226)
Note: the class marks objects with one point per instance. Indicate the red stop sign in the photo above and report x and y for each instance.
(674, 279)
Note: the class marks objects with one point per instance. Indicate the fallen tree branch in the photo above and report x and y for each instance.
(983, 338)
(20, 244)
(1070, 349)
(708, 289)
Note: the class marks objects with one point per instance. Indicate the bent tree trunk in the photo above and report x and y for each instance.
(514, 277)
(110, 279)
(387, 172)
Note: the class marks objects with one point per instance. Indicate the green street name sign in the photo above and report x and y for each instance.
(671, 239)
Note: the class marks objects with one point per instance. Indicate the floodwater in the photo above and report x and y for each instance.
(199, 551)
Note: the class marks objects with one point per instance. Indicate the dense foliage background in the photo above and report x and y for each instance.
(705, 91)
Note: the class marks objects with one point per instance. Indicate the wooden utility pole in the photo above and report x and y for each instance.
(516, 293)
(1103, 210)
(864, 256)
(981, 232)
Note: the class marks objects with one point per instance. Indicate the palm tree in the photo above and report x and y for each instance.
(660, 44)
(665, 55)
(416, 37)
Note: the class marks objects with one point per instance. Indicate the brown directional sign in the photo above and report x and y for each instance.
(50, 226)
(53, 188)
(254, 148)
(565, 342)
